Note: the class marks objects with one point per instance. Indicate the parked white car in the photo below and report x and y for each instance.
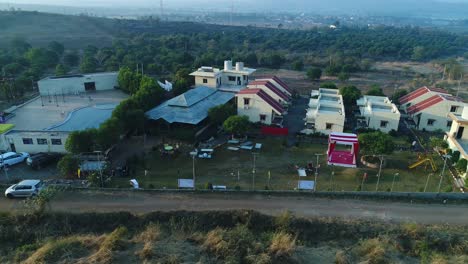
(26, 188)
(12, 158)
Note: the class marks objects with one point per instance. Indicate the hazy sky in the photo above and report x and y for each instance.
(408, 7)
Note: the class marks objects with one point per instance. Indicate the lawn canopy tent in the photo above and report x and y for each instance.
(343, 158)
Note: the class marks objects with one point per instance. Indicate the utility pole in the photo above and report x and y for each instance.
(254, 154)
(316, 170)
(443, 171)
(393, 182)
(380, 171)
(100, 167)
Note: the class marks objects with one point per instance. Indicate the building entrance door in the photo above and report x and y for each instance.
(90, 86)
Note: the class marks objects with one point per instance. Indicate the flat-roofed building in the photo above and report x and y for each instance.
(231, 79)
(379, 113)
(76, 84)
(326, 113)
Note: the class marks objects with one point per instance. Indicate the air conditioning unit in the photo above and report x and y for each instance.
(246, 107)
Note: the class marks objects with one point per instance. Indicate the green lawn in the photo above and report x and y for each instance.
(224, 168)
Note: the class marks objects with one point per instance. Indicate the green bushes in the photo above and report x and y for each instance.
(461, 165)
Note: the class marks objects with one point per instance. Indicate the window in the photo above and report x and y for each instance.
(205, 80)
(453, 108)
(42, 141)
(245, 77)
(56, 141)
(28, 141)
(383, 123)
(232, 78)
(262, 118)
(246, 101)
(328, 126)
(449, 123)
(430, 122)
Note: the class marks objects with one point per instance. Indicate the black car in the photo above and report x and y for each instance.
(42, 159)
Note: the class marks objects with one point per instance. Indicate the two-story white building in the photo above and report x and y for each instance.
(457, 137)
(379, 113)
(430, 108)
(259, 107)
(326, 113)
(229, 79)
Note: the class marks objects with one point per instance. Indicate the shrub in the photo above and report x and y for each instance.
(209, 186)
(373, 251)
(282, 245)
(455, 156)
(461, 165)
(68, 166)
(341, 258)
(237, 188)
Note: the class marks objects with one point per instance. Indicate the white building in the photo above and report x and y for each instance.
(432, 114)
(326, 113)
(457, 137)
(379, 113)
(258, 106)
(269, 88)
(230, 78)
(75, 84)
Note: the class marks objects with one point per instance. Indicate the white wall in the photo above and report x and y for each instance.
(17, 139)
(335, 119)
(256, 108)
(211, 81)
(74, 85)
(374, 122)
(438, 112)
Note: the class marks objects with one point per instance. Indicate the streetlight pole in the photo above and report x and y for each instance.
(254, 169)
(378, 175)
(443, 171)
(393, 182)
(193, 170)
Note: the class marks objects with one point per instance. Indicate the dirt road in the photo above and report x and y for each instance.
(299, 206)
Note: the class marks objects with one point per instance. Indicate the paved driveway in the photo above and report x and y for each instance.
(294, 120)
(23, 171)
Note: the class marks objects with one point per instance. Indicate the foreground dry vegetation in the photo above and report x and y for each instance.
(222, 237)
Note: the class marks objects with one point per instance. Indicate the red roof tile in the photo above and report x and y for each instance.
(433, 100)
(269, 86)
(418, 92)
(277, 80)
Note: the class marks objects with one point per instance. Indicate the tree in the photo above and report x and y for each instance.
(68, 166)
(350, 94)
(343, 76)
(60, 70)
(376, 143)
(81, 141)
(329, 85)
(398, 94)
(419, 53)
(298, 65)
(237, 125)
(375, 90)
(219, 114)
(436, 142)
(461, 165)
(180, 87)
(88, 65)
(314, 73)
